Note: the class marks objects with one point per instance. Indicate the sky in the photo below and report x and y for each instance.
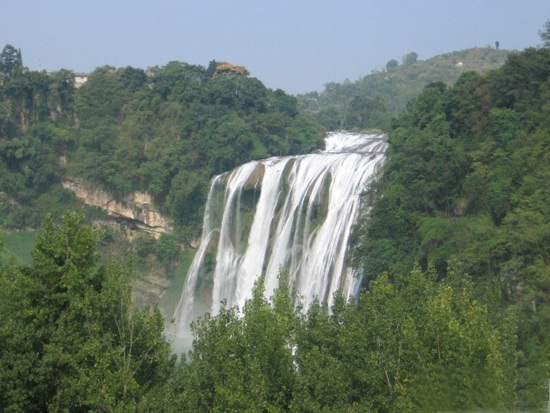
(295, 45)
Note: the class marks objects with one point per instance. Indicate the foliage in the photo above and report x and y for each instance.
(364, 112)
(35, 121)
(392, 64)
(166, 250)
(168, 134)
(466, 177)
(545, 34)
(410, 58)
(165, 132)
(70, 337)
(411, 344)
(396, 85)
(10, 61)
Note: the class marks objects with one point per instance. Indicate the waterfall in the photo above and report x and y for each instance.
(293, 212)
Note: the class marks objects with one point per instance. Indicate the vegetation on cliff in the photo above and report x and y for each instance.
(467, 177)
(166, 132)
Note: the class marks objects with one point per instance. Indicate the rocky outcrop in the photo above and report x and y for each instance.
(5, 198)
(136, 207)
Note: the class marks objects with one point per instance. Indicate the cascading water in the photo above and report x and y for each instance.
(292, 212)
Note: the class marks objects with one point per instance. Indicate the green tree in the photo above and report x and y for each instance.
(365, 112)
(10, 61)
(487, 209)
(244, 364)
(410, 344)
(410, 58)
(426, 346)
(468, 105)
(544, 34)
(392, 64)
(71, 337)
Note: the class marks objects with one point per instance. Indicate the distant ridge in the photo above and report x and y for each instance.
(399, 84)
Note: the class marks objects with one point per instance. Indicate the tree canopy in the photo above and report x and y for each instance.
(165, 132)
(454, 249)
(545, 34)
(70, 336)
(10, 60)
(411, 344)
(395, 86)
(466, 177)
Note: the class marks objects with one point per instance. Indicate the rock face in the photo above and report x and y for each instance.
(7, 199)
(135, 207)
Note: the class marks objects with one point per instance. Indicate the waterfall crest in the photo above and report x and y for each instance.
(292, 212)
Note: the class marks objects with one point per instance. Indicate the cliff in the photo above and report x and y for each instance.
(135, 207)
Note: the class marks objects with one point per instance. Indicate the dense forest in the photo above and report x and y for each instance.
(455, 313)
(467, 178)
(165, 132)
(72, 339)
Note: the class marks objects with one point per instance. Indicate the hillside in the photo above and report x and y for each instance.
(465, 189)
(386, 93)
(135, 151)
(164, 133)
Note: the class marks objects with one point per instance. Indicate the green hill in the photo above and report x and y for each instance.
(165, 132)
(465, 189)
(455, 311)
(386, 93)
(18, 246)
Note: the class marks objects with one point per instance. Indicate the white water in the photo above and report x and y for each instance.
(295, 213)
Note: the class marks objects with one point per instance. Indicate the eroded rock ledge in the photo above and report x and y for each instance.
(135, 207)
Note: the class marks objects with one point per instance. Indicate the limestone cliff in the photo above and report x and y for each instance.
(135, 207)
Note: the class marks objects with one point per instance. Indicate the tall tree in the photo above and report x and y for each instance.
(70, 337)
(10, 60)
(392, 64)
(544, 34)
(410, 58)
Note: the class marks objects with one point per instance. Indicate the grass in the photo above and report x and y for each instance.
(18, 246)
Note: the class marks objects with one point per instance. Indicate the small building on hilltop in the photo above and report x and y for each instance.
(79, 79)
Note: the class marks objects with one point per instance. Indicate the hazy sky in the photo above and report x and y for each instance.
(296, 45)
